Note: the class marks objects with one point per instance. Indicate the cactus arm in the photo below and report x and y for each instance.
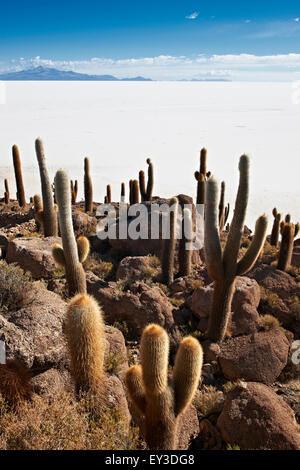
(203, 159)
(154, 351)
(213, 250)
(58, 255)
(135, 387)
(200, 178)
(83, 247)
(186, 373)
(251, 255)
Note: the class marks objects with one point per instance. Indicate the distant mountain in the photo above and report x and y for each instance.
(46, 73)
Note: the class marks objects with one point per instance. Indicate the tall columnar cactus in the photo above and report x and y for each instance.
(286, 246)
(150, 182)
(6, 193)
(74, 190)
(223, 267)
(203, 161)
(221, 206)
(160, 401)
(123, 192)
(130, 192)
(142, 186)
(88, 186)
(201, 176)
(70, 254)
(169, 245)
(18, 176)
(226, 214)
(185, 254)
(276, 227)
(86, 342)
(38, 211)
(49, 214)
(108, 193)
(135, 192)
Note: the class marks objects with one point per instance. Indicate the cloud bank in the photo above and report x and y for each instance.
(240, 67)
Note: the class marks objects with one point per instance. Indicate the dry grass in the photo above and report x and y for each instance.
(63, 424)
(209, 401)
(268, 322)
(14, 286)
(103, 269)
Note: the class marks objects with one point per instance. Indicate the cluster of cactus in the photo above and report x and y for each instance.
(156, 397)
(47, 216)
(86, 342)
(201, 177)
(18, 176)
(288, 232)
(168, 256)
(6, 193)
(71, 254)
(223, 211)
(88, 186)
(223, 267)
(74, 191)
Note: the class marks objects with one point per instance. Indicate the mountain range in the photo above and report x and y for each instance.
(47, 73)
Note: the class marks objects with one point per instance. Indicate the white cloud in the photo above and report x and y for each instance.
(297, 20)
(192, 16)
(247, 21)
(285, 67)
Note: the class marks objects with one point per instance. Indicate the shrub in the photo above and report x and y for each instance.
(14, 287)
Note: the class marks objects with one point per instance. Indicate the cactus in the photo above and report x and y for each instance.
(275, 228)
(297, 228)
(226, 214)
(130, 192)
(49, 214)
(162, 402)
(169, 245)
(224, 267)
(150, 182)
(142, 186)
(86, 342)
(88, 186)
(203, 160)
(15, 384)
(74, 190)
(18, 176)
(221, 207)
(135, 192)
(185, 255)
(38, 211)
(6, 194)
(123, 192)
(108, 193)
(286, 246)
(200, 177)
(68, 254)
(287, 218)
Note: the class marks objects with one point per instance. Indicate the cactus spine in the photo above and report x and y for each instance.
(18, 176)
(68, 255)
(49, 214)
(276, 228)
(169, 245)
(150, 182)
(185, 255)
(224, 267)
(286, 246)
(86, 343)
(159, 401)
(88, 186)
(6, 194)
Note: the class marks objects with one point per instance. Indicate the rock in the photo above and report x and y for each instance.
(296, 259)
(209, 438)
(115, 397)
(258, 357)
(116, 348)
(12, 218)
(51, 382)
(138, 306)
(211, 351)
(254, 417)
(246, 297)
(33, 334)
(33, 255)
(136, 268)
(83, 224)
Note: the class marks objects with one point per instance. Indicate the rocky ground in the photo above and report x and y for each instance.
(249, 395)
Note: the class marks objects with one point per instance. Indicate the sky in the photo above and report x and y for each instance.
(163, 40)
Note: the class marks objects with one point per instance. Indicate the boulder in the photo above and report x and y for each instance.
(246, 297)
(51, 383)
(33, 255)
(116, 348)
(254, 417)
(259, 357)
(83, 224)
(115, 397)
(139, 306)
(136, 268)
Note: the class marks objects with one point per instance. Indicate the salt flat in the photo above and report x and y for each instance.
(118, 125)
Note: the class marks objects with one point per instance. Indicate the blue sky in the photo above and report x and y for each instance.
(160, 39)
